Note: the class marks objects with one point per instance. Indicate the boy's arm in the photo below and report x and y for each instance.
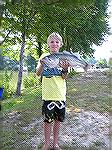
(64, 73)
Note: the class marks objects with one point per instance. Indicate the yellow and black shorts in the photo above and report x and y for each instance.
(53, 110)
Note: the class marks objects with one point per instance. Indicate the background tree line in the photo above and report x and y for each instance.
(26, 25)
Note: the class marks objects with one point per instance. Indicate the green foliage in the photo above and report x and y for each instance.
(81, 23)
(102, 63)
(10, 105)
(73, 73)
(30, 81)
(1, 60)
(8, 89)
(1, 80)
(8, 80)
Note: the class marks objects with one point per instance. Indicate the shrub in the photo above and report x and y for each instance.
(30, 81)
(8, 90)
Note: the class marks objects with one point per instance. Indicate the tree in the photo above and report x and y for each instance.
(24, 19)
(1, 60)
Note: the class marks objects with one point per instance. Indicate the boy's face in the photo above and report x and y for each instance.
(54, 45)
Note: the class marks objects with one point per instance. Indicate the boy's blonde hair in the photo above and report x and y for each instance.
(55, 35)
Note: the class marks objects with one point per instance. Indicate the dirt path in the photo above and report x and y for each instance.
(86, 129)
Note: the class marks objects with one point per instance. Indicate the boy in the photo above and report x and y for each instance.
(53, 92)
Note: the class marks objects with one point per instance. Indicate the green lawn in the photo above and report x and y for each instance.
(90, 93)
(29, 94)
(13, 77)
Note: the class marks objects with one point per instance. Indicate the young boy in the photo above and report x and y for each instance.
(53, 92)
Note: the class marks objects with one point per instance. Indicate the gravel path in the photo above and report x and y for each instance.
(80, 130)
(85, 129)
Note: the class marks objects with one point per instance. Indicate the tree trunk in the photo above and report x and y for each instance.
(1, 10)
(40, 53)
(40, 49)
(20, 73)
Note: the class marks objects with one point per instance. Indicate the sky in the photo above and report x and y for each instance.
(103, 51)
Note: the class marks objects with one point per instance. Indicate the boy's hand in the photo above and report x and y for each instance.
(42, 62)
(64, 64)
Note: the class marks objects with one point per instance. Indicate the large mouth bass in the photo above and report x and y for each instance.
(74, 59)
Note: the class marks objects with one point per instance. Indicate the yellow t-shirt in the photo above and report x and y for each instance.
(53, 88)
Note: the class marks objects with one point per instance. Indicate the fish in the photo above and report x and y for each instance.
(55, 59)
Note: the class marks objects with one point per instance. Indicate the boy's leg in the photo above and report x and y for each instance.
(47, 123)
(59, 117)
(56, 128)
(47, 133)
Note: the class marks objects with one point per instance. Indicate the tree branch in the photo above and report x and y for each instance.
(5, 37)
(52, 3)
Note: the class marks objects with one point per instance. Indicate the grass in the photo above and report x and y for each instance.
(30, 98)
(90, 93)
(29, 95)
(27, 107)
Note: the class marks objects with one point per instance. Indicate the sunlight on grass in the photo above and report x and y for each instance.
(72, 90)
(31, 98)
(20, 101)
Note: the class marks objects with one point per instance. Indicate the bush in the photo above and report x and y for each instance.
(8, 90)
(30, 81)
